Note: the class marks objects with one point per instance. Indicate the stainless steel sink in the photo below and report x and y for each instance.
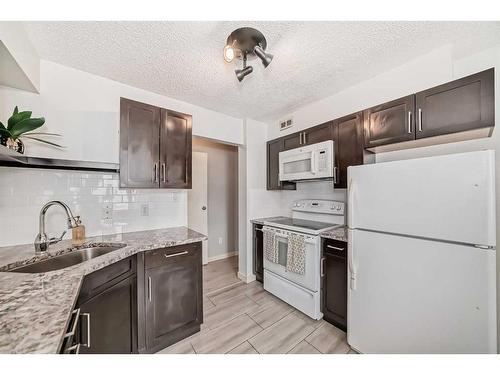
(74, 256)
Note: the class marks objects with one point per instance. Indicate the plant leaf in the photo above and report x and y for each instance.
(42, 133)
(18, 117)
(15, 110)
(43, 141)
(2, 125)
(26, 125)
(5, 132)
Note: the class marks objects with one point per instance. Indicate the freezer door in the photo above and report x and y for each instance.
(408, 295)
(450, 197)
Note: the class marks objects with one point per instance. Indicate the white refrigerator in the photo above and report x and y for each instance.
(421, 259)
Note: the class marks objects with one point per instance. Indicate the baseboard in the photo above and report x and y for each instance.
(245, 278)
(222, 256)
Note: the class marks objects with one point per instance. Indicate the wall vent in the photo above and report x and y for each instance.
(285, 124)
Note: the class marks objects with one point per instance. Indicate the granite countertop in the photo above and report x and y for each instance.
(339, 234)
(35, 308)
(263, 219)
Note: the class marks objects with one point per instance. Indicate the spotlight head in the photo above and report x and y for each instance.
(266, 58)
(242, 73)
(229, 53)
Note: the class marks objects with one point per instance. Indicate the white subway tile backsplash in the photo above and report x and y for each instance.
(24, 191)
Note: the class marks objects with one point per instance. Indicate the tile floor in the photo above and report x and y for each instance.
(242, 318)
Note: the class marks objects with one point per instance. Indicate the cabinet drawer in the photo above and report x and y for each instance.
(335, 247)
(158, 257)
(99, 280)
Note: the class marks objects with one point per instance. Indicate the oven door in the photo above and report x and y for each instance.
(311, 277)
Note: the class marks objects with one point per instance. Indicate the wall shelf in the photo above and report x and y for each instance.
(9, 158)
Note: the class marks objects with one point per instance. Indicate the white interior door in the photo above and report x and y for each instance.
(198, 198)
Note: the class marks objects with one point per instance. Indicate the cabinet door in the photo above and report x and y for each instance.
(108, 322)
(174, 303)
(292, 141)
(175, 148)
(318, 133)
(390, 122)
(348, 132)
(272, 161)
(139, 144)
(335, 286)
(464, 104)
(258, 252)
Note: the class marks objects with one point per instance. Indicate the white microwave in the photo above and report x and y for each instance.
(307, 163)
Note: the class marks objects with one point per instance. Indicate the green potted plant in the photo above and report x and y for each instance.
(21, 125)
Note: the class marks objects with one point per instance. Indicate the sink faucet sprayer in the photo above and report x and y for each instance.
(41, 241)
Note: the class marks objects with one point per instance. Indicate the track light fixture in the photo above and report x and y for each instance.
(245, 44)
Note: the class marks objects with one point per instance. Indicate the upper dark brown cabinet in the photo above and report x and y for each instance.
(390, 122)
(316, 134)
(175, 150)
(348, 136)
(155, 147)
(465, 104)
(274, 147)
(292, 141)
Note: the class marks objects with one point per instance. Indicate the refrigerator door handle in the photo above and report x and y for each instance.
(350, 197)
(350, 262)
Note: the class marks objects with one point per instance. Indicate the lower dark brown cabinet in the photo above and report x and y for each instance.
(258, 252)
(334, 283)
(173, 293)
(108, 310)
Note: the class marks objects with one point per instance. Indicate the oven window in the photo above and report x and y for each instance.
(282, 252)
(297, 166)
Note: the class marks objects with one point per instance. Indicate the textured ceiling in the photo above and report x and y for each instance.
(312, 60)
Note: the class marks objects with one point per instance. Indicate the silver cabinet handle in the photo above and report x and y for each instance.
(335, 171)
(149, 288)
(175, 254)
(260, 230)
(155, 172)
(300, 138)
(409, 122)
(164, 172)
(420, 119)
(304, 137)
(335, 248)
(87, 315)
(322, 267)
(72, 331)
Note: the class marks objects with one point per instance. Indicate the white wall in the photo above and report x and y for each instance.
(222, 197)
(27, 72)
(427, 71)
(85, 108)
(24, 191)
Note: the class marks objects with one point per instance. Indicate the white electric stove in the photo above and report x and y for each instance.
(309, 218)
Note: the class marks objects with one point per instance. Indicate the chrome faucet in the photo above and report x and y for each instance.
(41, 241)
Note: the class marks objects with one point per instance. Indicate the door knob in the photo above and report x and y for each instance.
(204, 208)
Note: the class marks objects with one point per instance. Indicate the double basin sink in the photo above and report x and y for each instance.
(68, 259)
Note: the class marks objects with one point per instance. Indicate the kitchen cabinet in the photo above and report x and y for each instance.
(390, 122)
(173, 295)
(108, 310)
(462, 105)
(272, 173)
(155, 147)
(309, 136)
(455, 111)
(334, 282)
(258, 252)
(347, 134)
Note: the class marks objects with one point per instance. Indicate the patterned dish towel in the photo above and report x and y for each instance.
(270, 246)
(296, 254)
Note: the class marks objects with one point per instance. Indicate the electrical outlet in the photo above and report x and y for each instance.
(107, 211)
(145, 209)
(175, 197)
(220, 240)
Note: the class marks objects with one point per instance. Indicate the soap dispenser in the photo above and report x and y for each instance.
(78, 232)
